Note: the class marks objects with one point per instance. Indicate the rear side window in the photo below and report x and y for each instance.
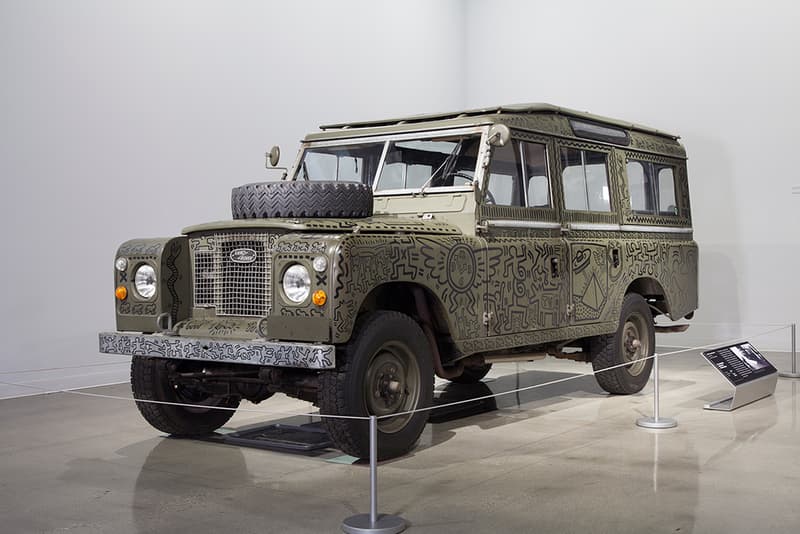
(652, 188)
(584, 177)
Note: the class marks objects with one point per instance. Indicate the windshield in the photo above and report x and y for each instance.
(409, 164)
(430, 163)
(342, 163)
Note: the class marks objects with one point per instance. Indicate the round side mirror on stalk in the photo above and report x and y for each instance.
(273, 156)
(499, 134)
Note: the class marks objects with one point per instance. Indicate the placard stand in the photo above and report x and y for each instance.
(750, 374)
(793, 373)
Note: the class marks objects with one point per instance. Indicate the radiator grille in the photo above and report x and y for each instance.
(233, 273)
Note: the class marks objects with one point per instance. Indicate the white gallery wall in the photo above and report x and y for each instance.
(135, 119)
(724, 76)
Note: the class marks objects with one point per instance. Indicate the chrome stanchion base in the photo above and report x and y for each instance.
(386, 524)
(660, 423)
(789, 375)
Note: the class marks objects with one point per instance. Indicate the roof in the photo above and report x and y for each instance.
(513, 109)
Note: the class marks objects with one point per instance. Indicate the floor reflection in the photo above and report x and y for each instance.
(173, 481)
(748, 428)
(456, 405)
(458, 401)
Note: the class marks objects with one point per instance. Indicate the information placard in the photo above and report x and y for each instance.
(739, 363)
(746, 369)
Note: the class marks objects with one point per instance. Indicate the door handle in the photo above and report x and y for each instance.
(555, 271)
(615, 257)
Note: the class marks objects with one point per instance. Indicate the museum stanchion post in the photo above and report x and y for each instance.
(793, 373)
(373, 523)
(656, 421)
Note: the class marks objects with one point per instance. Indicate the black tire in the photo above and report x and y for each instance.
(386, 347)
(472, 375)
(634, 339)
(301, 199)
(150, 381)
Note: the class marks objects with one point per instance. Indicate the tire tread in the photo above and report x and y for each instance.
(174, 420)
(348, 434)
(605, 351)
(285, 199)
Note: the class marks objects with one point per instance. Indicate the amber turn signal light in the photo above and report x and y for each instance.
(319, 298)
(121, 293)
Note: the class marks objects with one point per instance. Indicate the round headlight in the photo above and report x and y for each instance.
(296, 283)
(121, 264)
(320, 263)
(145, 281)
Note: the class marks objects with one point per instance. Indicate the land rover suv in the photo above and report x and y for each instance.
(397, 250)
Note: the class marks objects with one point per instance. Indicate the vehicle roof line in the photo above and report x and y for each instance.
(508, 109)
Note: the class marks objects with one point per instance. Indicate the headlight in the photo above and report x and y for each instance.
(296, 283)
(121, 264)
(145, 281)
(320, 263)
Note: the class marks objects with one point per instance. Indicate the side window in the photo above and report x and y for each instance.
(585, 180)
(667, 205)
(639, 188)
(536, 177)
(652, 188)
(504, 187)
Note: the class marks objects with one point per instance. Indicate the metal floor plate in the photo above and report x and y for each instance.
(278, 436)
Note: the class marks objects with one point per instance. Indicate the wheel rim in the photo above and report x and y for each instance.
(635, 344)
(392, 385)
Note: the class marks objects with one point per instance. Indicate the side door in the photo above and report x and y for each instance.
(526, 256)
(590, 224)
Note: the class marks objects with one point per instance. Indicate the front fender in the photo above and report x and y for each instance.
(451, 268)
(170, 258)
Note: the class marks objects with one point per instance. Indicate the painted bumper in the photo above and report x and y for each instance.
(256, 352)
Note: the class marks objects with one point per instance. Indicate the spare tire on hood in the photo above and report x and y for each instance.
(286, 199)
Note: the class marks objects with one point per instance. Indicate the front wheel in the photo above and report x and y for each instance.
(634, 339)
(153, 379)
(385, 369)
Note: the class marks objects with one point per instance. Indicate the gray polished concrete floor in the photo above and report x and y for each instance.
(562, 458)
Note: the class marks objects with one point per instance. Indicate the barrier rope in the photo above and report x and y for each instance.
(77, 391)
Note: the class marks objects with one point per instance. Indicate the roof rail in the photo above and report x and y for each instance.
(512, 109)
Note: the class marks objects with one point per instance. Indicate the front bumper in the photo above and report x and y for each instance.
(255, 352)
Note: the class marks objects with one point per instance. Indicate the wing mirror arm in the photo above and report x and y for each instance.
(273, 156)
(499, 134)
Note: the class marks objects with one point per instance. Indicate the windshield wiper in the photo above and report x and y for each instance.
(448, 162)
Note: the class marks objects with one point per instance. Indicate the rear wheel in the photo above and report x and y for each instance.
(152, 379)
(633, 340)
(385, 369)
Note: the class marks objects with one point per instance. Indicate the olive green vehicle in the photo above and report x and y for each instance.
(395, 251)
